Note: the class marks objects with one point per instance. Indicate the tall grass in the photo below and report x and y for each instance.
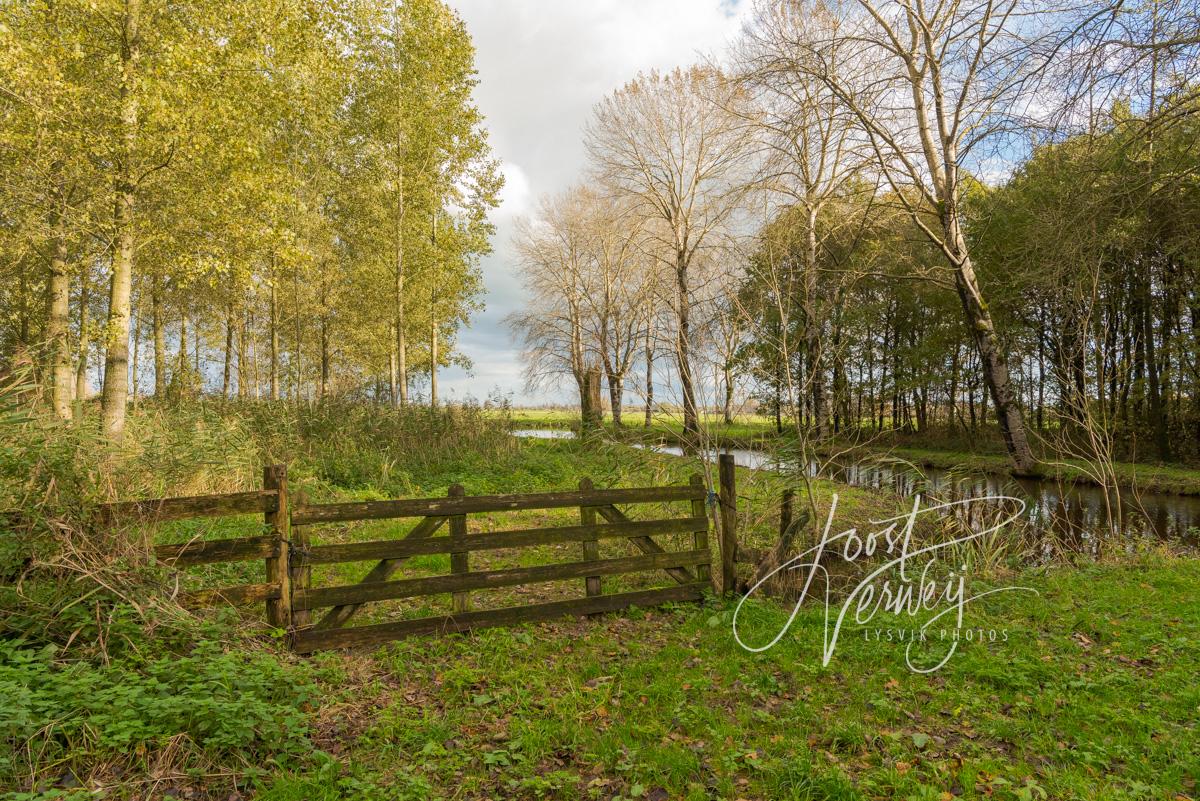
(52, 474)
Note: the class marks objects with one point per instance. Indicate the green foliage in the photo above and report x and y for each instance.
(210, 705)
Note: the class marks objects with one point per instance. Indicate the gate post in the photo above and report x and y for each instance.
(279, 610)
(460, 601)
(299, 569)
(728, 497)
(785, 510)
(700, 535)
(591, 548)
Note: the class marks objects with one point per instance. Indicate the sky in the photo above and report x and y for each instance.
(543, 65)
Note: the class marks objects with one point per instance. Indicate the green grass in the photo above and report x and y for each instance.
(1092, 696)
(1095, 679)
(744, 430)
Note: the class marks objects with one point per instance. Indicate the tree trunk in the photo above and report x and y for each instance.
(433, 362)
(691, 422)
(274, 339)
(995, 369)
(649, 377)
(727, 407)
(137, 346)
(400, 385)
(323, 390)
(616, 393)
(227, 376)
(158, 324)
(85, 332)
(393, 388)
(812, 329)
(116, 359)
(591, 411)
(181, 366)
(58, 322)
(1158, 418)
(243, 368)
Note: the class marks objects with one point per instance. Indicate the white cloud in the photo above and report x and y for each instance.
(516, 197)
(543, 65)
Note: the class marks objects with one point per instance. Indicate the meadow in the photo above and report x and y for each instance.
(113, 691)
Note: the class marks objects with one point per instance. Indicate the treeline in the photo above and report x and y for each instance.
(280, 199)
(1090, 255)
(875, 216)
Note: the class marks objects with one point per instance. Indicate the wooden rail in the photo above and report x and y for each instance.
(288, 557)
(488, 579)
(514, 538)
(426, 507)
(314, 640)
(161, 510)
(272, 547)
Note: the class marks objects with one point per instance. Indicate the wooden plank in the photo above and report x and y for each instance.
(591, 548)
(355, 636)
(700, 533)
(426, 507)
(490, 579)
(459, 557)
(381, 572)
(235, 596)
(205, 552)
(159, 510)
(513, 538)
(727, 474)
(645, 544)
(279, 521)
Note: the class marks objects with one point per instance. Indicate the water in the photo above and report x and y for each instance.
(544, 433)
(1072, 510)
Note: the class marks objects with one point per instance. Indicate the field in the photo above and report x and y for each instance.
(1092, 696)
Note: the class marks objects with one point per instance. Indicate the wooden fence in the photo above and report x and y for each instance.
(288, 556)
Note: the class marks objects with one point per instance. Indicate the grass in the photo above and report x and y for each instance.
(1086, 699)
(745, 430)
(1092, 696)
(1169, 479)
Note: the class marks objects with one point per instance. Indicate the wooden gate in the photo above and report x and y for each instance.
(317, 617)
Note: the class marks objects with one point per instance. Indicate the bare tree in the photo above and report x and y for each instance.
(553, 252)
(928, 87)
(617, 284)
(664, 144)
(812, 155)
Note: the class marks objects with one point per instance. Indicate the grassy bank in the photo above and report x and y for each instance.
(987, 455)
(1169, 479)
(108, 686)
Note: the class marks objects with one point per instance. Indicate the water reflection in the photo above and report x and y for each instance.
(1074, 511)
(1077, 513)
